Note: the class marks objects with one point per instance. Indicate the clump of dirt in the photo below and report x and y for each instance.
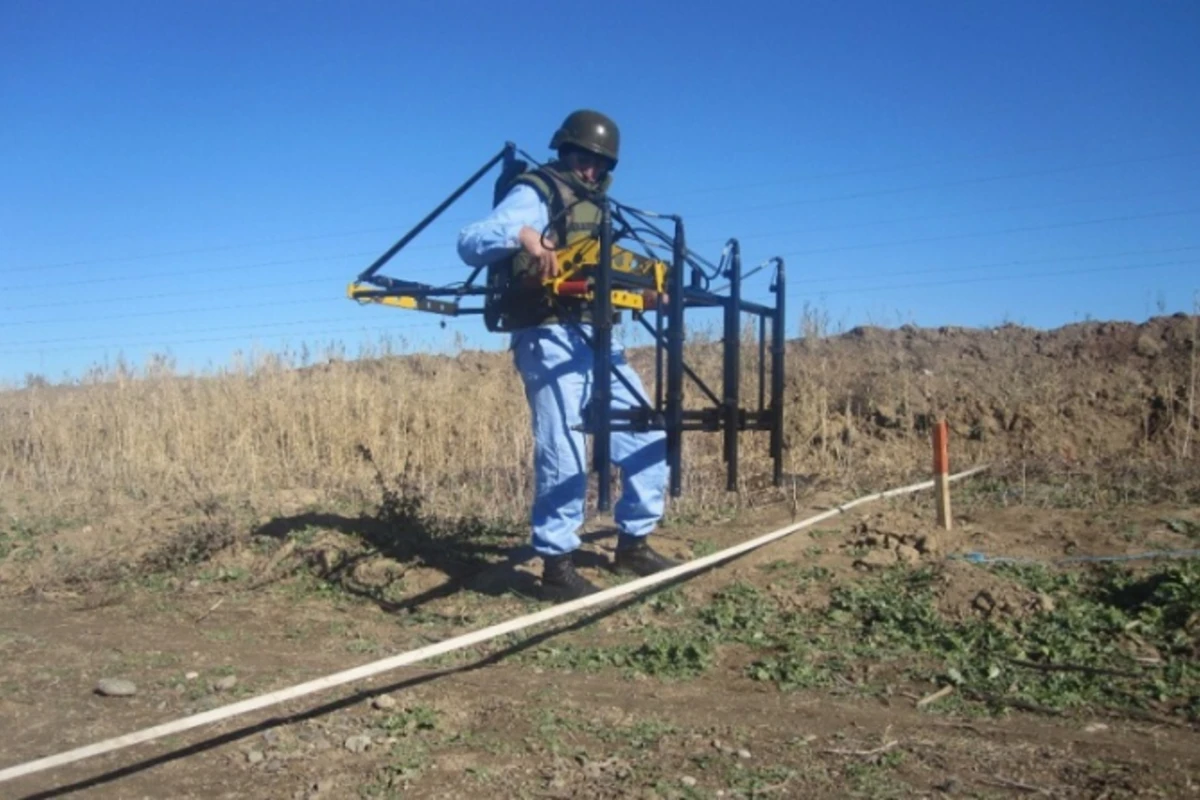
(966, 591)
(885, 547)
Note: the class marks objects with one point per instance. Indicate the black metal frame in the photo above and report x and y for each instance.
(663, 410)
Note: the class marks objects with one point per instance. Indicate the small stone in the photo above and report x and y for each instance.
(191, 676)
(984, 603)
(1045, 602)
(357, 744)
(226, 683)
(384, 702)
(908, 555)
(743, 753)
(1095, 727)
(688, 780)
(254, 756)
(116, 687)
(274, 765)
(272, 737)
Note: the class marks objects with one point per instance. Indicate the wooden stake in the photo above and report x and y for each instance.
(941, 472)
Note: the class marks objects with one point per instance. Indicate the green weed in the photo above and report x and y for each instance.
(411, 721)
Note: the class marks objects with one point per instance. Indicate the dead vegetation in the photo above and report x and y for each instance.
(1092, 413)
(1086, 397)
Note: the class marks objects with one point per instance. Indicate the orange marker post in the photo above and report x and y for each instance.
(941, 472)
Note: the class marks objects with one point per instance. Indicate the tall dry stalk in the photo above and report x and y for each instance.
(457, 426)
(1191, 392)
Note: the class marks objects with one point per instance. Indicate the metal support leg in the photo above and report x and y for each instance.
(602, 366)
(777, 356)
(731, 404)
(675, 335)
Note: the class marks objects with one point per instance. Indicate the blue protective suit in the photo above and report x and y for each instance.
(555, 364)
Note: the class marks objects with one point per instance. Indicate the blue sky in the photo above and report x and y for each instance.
(203, 178)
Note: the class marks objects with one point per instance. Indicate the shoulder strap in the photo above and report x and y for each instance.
(550, 190)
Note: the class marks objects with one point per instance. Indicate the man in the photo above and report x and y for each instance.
(549, 207)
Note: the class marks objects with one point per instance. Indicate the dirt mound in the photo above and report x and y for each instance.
(1083, 394)
(967, 590)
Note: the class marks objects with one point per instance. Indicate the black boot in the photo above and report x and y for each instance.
(560, 581)
(635, 555)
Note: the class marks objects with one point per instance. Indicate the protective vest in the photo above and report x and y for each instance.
(517, 299)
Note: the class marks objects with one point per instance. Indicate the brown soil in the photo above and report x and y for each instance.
(152, 594)
(513, 729)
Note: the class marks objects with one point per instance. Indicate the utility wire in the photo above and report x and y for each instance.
(12, 347)
(168, 312)
(1000, 232)
(216, 329)
(783, 204)
(41, 286)
(791, 280)
(1009, 277)
(815, 176)
(308, 335)
(793, 283)
(1019, 262)
(939, 185)
(460, 267)
(137, 298)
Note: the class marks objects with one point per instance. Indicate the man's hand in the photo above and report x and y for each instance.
(652, 299)
(531, 242)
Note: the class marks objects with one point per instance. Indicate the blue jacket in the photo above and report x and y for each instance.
(495, 236)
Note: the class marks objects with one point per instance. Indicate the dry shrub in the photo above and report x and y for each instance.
(858, 408)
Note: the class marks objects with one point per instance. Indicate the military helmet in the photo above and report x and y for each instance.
(591, 131)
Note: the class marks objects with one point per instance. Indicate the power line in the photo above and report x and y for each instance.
(158, 296)
(794, 289)
(792, 281)
(1023, 229)
(1010, 277)
(953, 215)
(307, 334)
(783, 204)
(461, 267)
(445, 323)
(941, 185)
(702, 190)
(168, 312)
(205, 271)
(192, 251)
(216, 329)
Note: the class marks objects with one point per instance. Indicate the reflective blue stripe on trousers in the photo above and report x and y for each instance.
(555, 364)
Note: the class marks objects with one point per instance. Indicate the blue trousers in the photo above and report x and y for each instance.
(555, 364)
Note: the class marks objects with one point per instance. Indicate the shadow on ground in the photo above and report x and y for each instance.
(471, 554)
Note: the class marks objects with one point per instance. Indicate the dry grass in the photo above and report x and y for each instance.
(858, 410)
